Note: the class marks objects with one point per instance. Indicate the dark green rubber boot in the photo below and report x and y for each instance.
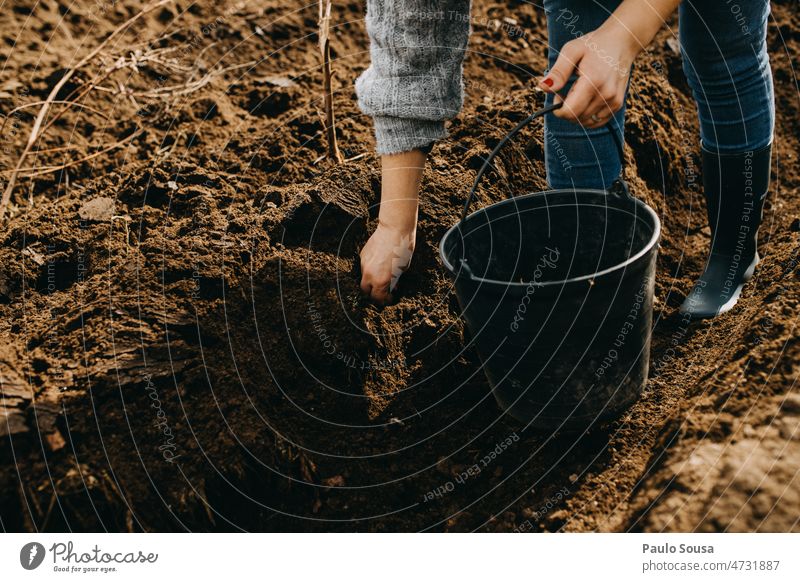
(735, 187)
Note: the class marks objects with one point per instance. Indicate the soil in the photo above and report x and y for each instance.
(182, 341)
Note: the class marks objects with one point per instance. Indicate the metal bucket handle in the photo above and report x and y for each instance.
(618, 187)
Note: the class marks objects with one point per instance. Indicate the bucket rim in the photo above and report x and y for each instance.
(513, 284)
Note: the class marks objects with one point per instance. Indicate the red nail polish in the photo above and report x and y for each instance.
(548, 82)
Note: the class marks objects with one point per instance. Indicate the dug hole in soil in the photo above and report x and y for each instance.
(182, 341)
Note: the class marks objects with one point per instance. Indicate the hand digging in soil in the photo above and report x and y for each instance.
(388, 252)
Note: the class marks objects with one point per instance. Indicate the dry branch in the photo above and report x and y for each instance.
(59, 102)
(51, 169)
(325, 49)
(192, 86)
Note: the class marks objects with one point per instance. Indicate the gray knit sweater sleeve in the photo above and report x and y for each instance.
(414, 81)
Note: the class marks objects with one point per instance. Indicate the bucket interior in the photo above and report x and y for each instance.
(551, 236)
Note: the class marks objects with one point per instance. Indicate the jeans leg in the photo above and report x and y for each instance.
(724, 50)
(576, 157)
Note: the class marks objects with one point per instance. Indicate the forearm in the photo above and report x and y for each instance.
(636, 22)
(401, 177)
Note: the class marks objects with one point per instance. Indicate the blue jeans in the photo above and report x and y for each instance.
(724, 51)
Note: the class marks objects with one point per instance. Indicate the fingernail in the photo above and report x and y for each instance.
(548, 82)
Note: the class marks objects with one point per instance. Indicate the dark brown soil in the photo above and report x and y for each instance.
(182, 343)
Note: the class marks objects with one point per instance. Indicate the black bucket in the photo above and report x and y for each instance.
(556, 289)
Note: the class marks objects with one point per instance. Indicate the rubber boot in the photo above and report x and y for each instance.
(735, 187)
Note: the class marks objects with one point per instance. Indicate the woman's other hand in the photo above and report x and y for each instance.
(602, 60)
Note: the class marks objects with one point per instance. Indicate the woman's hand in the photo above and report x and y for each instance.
(602, 60)
(387, 254)
(384, 258)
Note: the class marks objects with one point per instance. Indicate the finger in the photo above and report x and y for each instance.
(599, 121)
(596, 124)
(608, 102)
(566, 63)
(597, 114)
(578, 99)
(380, 294)
(365, 285)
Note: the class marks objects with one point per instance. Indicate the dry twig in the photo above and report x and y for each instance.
(59, 102)
(192, 86)
(325, 49)
(51, 169)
